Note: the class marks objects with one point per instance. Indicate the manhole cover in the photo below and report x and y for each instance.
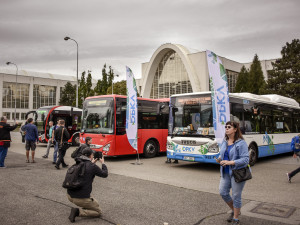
(274, 210)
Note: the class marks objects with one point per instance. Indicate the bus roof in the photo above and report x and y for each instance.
(269, 99)
(124, 96)
(61, 108)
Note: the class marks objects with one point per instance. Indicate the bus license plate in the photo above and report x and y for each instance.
(188, 158)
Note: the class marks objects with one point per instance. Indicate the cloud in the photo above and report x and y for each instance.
(122, 33)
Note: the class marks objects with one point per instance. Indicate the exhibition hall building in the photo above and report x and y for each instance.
(172, 69)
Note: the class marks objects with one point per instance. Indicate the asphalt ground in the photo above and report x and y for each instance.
(152, 193)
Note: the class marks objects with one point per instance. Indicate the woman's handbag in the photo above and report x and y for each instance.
(242, 174)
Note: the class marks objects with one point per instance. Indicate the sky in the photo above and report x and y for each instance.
(126, 33)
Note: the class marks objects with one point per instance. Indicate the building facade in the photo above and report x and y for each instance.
(174, 69)
(28, 91)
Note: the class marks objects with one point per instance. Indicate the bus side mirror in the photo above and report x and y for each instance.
(160, 107)
(174, 110)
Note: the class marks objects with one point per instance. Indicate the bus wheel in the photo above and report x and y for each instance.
(252, 154)
(150, 149)
(76, 140)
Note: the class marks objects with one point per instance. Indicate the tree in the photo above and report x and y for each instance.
(110, 76)
(242, 83)
(256, 77)
(119, 88)
(284, 79)
(68, 95)
(104, 81)
(82, 89)
(88, 85)
(97, 89)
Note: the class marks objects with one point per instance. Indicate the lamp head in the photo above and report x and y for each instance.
(66, 38)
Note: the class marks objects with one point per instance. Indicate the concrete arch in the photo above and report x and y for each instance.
(155, 60)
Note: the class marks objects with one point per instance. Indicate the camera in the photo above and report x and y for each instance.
(98, 155)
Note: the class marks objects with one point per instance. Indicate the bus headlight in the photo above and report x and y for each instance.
(169, 146)
(106, 148)
(214, 148)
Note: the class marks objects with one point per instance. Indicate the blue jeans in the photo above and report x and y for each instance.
(3, 153)
(226, 183)
(55, 152)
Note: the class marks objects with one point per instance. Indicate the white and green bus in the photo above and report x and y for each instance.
(268, 123)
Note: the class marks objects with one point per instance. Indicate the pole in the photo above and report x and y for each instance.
(112, 86)
(66, 39)
(77, 78)
(8, 63)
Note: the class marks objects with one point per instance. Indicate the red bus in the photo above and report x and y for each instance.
(43, 115)
(104, 120)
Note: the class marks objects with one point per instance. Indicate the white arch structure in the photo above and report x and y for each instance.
(155, 60)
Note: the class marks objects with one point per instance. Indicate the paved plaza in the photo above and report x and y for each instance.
(151, 193)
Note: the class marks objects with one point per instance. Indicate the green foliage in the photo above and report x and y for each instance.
(82, 90)
(104, 86)
(284, 79)
(242, 83)
(68, 95)
(119, 88)
(88, 85)
(104, 81)
(256, 77)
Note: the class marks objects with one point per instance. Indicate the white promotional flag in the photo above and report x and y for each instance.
(219, 94)
(131, 112)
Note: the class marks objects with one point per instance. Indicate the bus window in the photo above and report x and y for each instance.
(121, 107)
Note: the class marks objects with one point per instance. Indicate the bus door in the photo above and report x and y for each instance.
(122, 146)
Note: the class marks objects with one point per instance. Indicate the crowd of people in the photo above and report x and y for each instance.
(233, 156)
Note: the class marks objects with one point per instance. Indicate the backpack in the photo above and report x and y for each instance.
(74, 176)
(78, 151)
(295, 144)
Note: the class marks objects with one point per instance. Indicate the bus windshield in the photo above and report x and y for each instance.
(41, 116)
(98, 116)
(192, 116)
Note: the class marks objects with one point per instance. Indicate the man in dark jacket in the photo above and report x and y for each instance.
(5, 139)
(31, 138)
(82, 197)
(61, 136)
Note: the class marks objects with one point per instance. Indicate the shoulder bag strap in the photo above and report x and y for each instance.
(62, 134)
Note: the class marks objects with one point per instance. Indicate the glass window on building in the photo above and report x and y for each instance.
(7, 115)
(23, 115)
(15, 95)
(170, 77)
(43, 96)
(17, 115)
(232, 78)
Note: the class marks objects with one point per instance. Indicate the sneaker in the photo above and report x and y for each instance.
(57, 167)
(235, 222)
(45, 156)
(2, 167)
(65, 166)
(53, 162)
(289, 178)
(73, 214)
(229, 219)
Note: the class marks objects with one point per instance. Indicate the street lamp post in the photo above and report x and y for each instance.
(66, 39)
(112, 84)
(8, 63)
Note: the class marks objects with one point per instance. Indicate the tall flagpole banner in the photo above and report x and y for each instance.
(131, 112)
(219, 94)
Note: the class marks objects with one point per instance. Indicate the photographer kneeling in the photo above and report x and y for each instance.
(81, 197)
